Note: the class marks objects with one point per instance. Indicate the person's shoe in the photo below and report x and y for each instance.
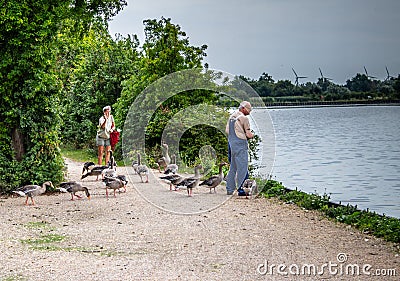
(229, 193)
(241, 192)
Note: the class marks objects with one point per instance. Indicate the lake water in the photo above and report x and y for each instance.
(351, 153)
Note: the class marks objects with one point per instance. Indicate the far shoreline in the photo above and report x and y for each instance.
(314, 104)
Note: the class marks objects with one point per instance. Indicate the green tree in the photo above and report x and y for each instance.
(166, 49)
(360, 83)
(30, 86)
(324, 83)
(396, 87)
(283, 88)
(99, 70)
(264, 86)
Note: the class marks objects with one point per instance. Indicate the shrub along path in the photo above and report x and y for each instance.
(127, 238)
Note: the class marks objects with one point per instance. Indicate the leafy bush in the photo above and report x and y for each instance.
(31, 84)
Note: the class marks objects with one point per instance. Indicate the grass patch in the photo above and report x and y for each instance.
(79, 155)
(13, 278)
(368, 222)
(47, 241)
(84, 155)
(38, 225)
(44, 239)
(64, 249)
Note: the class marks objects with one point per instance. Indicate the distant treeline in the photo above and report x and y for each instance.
(360, 87)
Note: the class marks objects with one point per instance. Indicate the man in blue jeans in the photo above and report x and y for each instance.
(238, 130)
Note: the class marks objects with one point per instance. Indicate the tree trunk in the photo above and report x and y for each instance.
(17, 139)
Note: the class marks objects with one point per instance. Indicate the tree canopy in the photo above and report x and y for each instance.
(30, 85)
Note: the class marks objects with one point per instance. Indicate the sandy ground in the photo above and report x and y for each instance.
(138, 236)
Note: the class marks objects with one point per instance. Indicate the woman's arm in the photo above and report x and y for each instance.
(102, 122)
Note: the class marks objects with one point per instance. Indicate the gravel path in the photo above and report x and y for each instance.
(129, 238)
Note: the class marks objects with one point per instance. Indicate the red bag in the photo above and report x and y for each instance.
(114, 138)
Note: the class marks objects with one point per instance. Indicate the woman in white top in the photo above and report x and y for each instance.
(106, 126)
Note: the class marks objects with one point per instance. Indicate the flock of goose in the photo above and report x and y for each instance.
(116, 182)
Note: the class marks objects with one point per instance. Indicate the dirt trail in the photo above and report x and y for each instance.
(128, 238)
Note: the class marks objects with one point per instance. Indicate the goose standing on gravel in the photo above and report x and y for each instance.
(165, 160)
(108, 173)
(173, 167)
(134, 166)
(191, 182)
(111, 171)
(250, 188)
(96, 171)
(112, 183)
(213, 181)
(33, 190)
(112, 164)
(87, 166)
(123, 179)
(172, 179)
(142, 170)
(73, 187)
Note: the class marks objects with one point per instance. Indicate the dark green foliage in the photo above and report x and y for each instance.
(199, 136)
(31, 84)
(166, 50)
(358, 88)
(100, 68)
(30, 94)
(378, 225)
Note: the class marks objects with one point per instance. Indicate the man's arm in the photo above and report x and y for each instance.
(246, 127)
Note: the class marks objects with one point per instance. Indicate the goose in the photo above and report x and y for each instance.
(112, 183)
(191, 182)
(165, 160)
(142, 170)
(96, 171)
(134, 166)
(87, 166)
(123, 179)
(172, 180)
(33, 190)
(213, 181)
(109, 173)
(250, 187)
(111, 163)
(73, 187)
(172, 168)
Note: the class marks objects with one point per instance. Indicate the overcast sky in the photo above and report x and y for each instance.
(250, 37)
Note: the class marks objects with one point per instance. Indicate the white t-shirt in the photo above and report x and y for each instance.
(109, 123)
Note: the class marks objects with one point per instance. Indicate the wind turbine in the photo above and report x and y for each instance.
(297, 77)
(388, 75)
(366, 72)
(324, 79)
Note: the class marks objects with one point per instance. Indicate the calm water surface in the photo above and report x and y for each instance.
(352, 153)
